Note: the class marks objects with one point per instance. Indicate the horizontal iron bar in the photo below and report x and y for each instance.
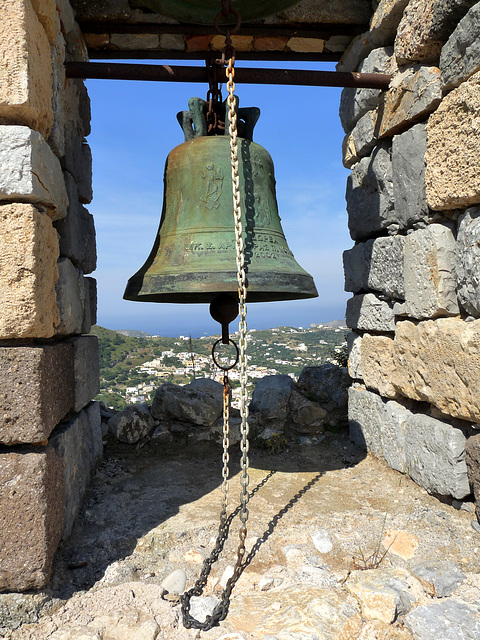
(164, 73)
(162, 54)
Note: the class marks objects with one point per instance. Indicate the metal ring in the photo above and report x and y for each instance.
(230, 341)
(224, 31)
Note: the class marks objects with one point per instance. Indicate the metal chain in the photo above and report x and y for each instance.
(220, 611)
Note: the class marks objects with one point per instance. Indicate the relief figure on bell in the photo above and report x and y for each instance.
(213, 186)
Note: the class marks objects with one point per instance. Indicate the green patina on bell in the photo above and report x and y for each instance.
(194, 255)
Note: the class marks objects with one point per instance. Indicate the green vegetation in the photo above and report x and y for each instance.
(132, 367)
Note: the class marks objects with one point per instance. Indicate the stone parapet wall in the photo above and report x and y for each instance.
(50, 432)
(413, 202)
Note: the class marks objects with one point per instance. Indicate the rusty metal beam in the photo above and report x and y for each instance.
(164, 73)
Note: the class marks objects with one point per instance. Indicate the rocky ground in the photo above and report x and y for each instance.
(344, 548)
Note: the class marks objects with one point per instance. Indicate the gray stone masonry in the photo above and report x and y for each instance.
(78, 442)
(460, 56)
(473, 465)
(86, 370)
(30, 170)
(37, 390)
(78, 162)
(77, 231)
(431, 451)
(270, 399)
(71, 295)
(366, 312)
(429, 269)
(468, 259)
(360, 142)
(31, 516)
(370, 202)
(408, 166)
(355, 268)
(354, 341)
(354, 103)
(90, 308)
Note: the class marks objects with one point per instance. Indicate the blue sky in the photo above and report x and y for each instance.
(134, 127)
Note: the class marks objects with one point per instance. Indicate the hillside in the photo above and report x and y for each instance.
(131, 367)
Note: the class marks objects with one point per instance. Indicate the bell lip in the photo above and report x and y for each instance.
(276, 288)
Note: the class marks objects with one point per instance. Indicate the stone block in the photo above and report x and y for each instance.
(377, 364)
(46, 11)
(77, 231)
(363, 138)
(307, 417)
(366, 413)
(472, 451)
(134, 41)
(358, 49)
(31, 171)
(408, 165)
(425, 27)
(449, 620)
(438, 361)
(66, 15)
(460, 57)
(369, 195)
(78, 443)
(355, 268)
(354, 103)
(453, 149)
(31, 516)
(90, 315)
(271, 43)
(384, 260)
(327, 385)
(244, 43)
(71, 294)
(306, 45)
(270, 398)
(396, 416)
(435, 456)
(187, 404)
(132, 424)
(37, 390)
(441, 577)
(175, 42)
(385, 20)
(366, 312)
(413, 94)
(354, 341)
(198, 43)
(85, 370)
(429, 268)
(56, 139)
(468, 259)
(25, 68)
(28, 273)
(78, 162)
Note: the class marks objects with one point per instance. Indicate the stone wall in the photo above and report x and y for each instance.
(413, 201)
(50, 433)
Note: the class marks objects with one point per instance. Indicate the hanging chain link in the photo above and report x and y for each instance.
(220, 611)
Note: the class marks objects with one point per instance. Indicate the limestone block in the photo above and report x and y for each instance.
(25, 68)
(468, 259)
(56, 139)
(413, 94)
(472, 451)
(377, 364)
(396, 417)
(435, 456)
(366, 312)
(90, 315)
(28, 273)
(31, 516)
(366, 413)
(131, 41)
(384, 260)
(78, 162)
(354, 103)
(307, 417)
(355, 268)
(46, 11)
(36, 391)
(176, 42)
(30, 170)
(408, 164)
(132, 424)
(270, 398)
(438, 361)
(358, 49)
(384, 593)
(71, 294)
(78, 443)
(449, 620)
(185, 404)
(385, 21)
(77, 231)
(326, 384)
(307, 45)
(370, 203)
(429, 267)
(266, 43)
(66, 15)
(354, 341)
(86, 370)
(360, 142)
(425, 27)
(460, 57)
(453, 149)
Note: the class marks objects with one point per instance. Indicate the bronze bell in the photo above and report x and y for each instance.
(193, 258)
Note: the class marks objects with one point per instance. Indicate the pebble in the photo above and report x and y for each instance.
(321, 541)
(266, 583)
(175, 582)
(201, 607)
(194, 556)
